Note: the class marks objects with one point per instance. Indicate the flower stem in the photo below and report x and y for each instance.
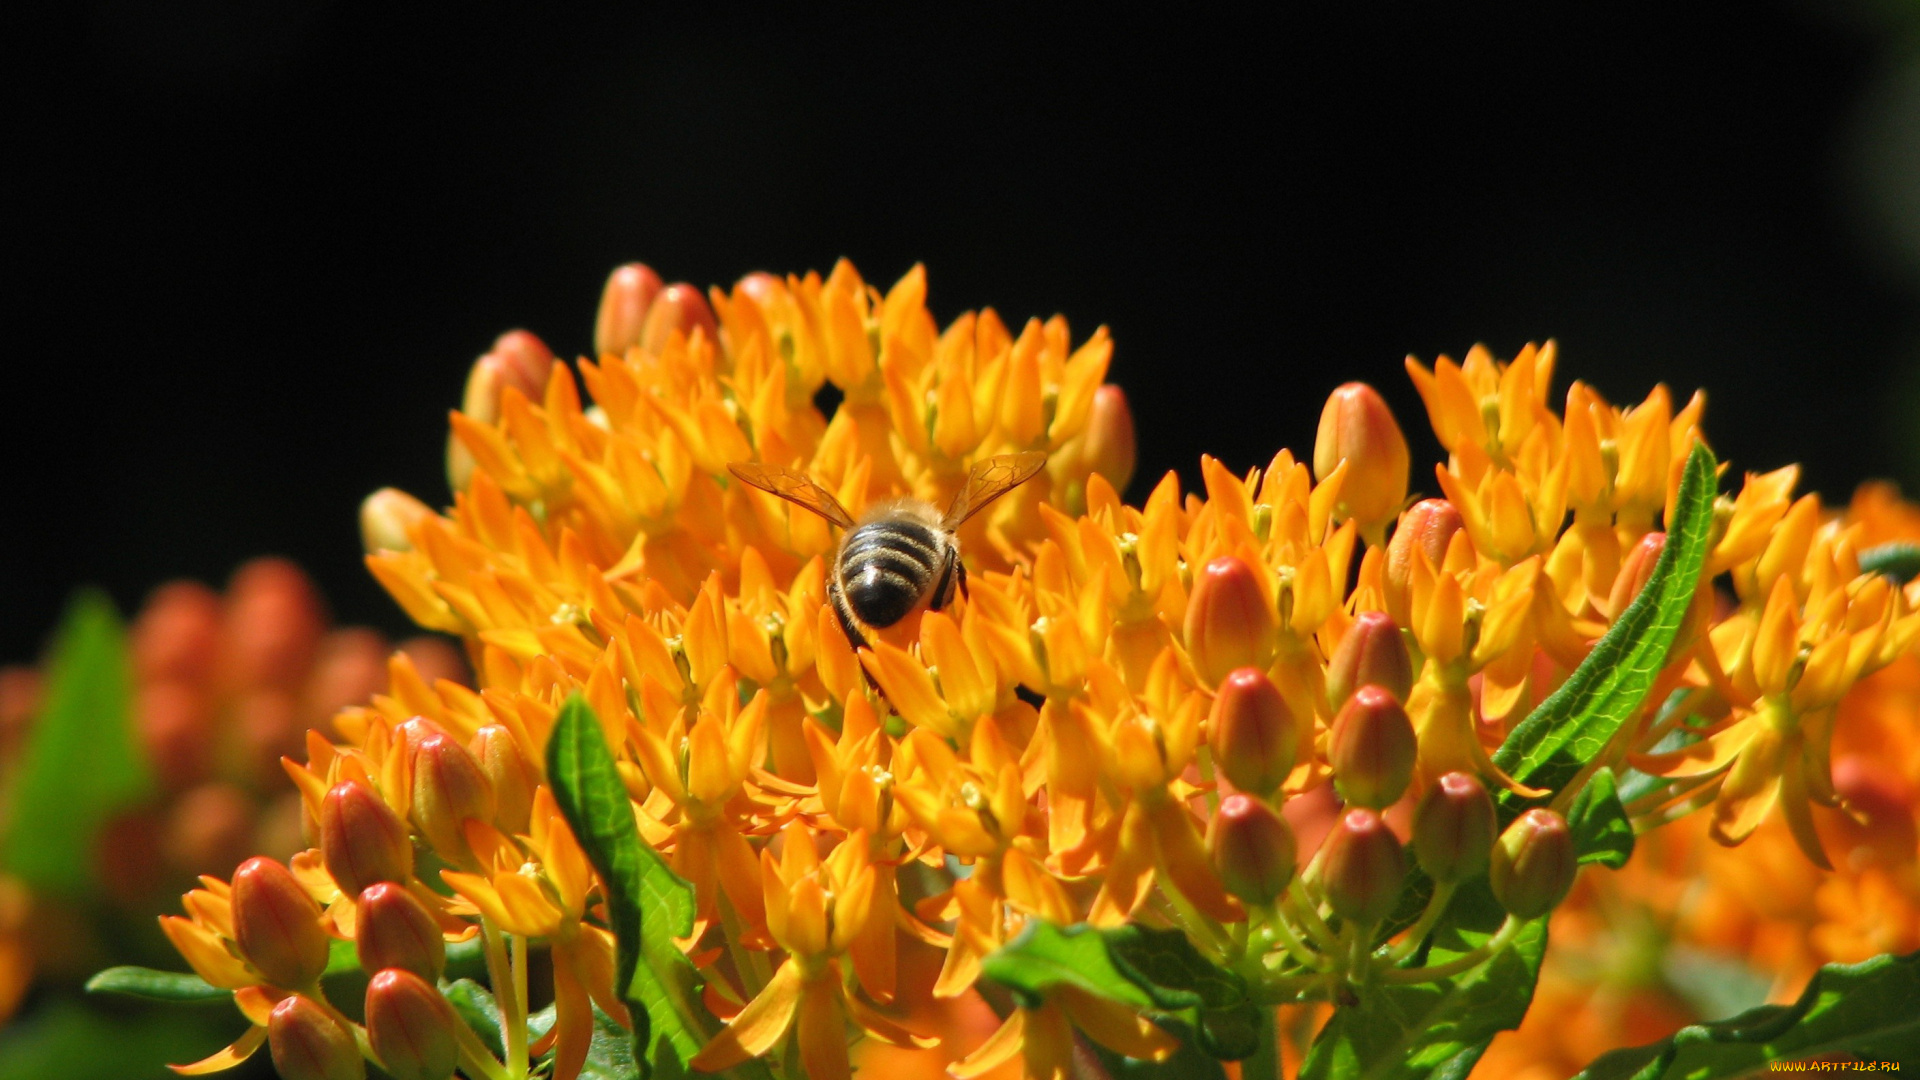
(506, 994)
(1466, 961)
(1436, 906)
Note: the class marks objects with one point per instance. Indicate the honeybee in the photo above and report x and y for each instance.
(901, 553)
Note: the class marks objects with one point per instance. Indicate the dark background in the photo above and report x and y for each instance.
(252, 247)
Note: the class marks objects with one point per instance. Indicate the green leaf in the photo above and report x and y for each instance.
(1165, 965)
(1864, 1010)
(1573, 725)
(90, 1039)
(475, 1005)
(156, 985)
(1602, 832)
(610, 1054)
(1045, 956)
(82, 762)
(1423, 1030)
(662, 989)
(1899, 560)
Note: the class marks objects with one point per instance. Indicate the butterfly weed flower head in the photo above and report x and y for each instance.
(1037, 745)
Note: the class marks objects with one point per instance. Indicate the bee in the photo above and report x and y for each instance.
(902, 553)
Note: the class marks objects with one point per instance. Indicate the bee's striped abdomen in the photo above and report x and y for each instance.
(887, 566)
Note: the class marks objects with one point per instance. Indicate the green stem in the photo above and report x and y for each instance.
(750, 963)
(1196, 924)
(1265, 1062)
(513, 1005)
(1464, 962)
(1302, 953)
(475, 1059)
(1308, 911)
(1436, 906)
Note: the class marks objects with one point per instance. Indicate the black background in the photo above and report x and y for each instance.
(252, 247)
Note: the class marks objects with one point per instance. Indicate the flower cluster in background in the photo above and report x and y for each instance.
(1246, 711)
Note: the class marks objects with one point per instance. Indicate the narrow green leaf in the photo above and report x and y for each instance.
(1165, 965)
(1404, 1032)
(1044, 956)
(1865, 1010)
(156, 985)
(1548, 748)
(1602, 833)
(1899, 560)
(660, 985)
(82, 762)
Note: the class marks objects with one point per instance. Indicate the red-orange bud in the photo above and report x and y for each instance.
(1533, 864)
(273, 624)
(277, 924)
(1230, 621)
(525, 362)
(1372, 653)
(1371, 749)
(1635, 570)
(1357, 427)
(448, 788)
(1364, 868)
(1453, 828)
(362, 841)
(392, 930)
(1110, 445)
(1427, 526)
(623, 308)
(411, 1027)
(1252, 849)
(508, 773)
(678, 307)
(1252, 732)
(309, 1044)
(177, 635)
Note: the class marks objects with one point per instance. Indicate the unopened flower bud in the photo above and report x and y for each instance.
(308, 1044)
(1357, 427)
(1635, 570)
(508, 773)
(386, 516)
(277, 924)
(1373, 653)
(519, 360)
(392, 930)
(362, 841)
(411, 1027)
(1110, 448)
(1533, 864)
(448, 788)
(678, 307)
(1252, 849)
(273, 624)
(1364, 867)
(1253, 734)
(1371, 749)
(525, 362)
(1230, 621)
(1427, 526)
(1453, 828)
(177, 636)
(623, 308)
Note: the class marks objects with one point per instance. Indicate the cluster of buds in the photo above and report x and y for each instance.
(1247, 710)
(224, 685)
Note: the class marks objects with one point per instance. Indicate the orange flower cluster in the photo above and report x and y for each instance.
(1142, 713)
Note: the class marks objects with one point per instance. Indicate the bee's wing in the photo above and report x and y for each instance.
(794, 487)
(991, 479)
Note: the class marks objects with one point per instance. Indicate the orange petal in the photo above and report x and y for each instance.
(1000, 1048)
(758, 1026)
(241, 1050)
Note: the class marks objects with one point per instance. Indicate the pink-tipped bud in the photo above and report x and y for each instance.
(1357, 427)
(387, 517)
(518, 360)
(1230, 621)
(1364, 868)
(623, 308)
(678, 307)
(277, 924)
(508, 773)
(392, 930)
(525, 363)
(1372, 749)
(1453, 828)
(1373, 653)
(1533, 864)
(309, 1044)
(362, 841)
(1252, 849)
(1427, 526)
(273, 623)
(448, 788)
(1252, 732)
(1635, 570)
(1110, 447)
(177, 636)
(411, 1027)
